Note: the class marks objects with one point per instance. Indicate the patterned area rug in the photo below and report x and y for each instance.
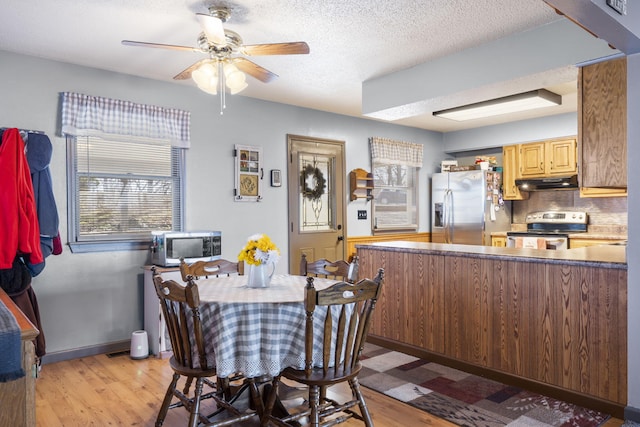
(465, 399)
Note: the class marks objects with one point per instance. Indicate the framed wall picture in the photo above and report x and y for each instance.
(276, 178)
(248, 171)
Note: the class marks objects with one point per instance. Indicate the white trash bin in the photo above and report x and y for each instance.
(139, 345)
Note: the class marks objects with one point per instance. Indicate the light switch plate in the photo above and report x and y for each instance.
(619, 6)
(362, 214)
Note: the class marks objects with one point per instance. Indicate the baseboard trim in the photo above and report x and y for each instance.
(632, 414)
(93, 350)
(614, 409)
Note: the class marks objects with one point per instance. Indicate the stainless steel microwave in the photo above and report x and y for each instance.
(167, 247)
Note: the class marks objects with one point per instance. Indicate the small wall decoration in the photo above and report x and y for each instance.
(249, 173)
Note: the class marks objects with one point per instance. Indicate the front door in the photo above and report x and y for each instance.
(315, 177)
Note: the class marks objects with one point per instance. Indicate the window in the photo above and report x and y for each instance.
(395, 180)
(120, 191)
(395, 197)
(125, 169)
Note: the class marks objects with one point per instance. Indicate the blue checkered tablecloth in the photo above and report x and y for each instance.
(257, 331)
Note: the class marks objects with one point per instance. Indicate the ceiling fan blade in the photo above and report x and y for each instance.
(254, 70)
(186, 73)
(161, 46)
(212, 27)
(291, 48)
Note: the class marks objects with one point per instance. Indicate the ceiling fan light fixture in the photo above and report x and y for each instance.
(206, 78)
(233, 75)
(237, 88)
(210, 89)
(509, 104)
(235, 79)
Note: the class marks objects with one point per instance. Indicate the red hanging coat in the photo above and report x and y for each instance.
(19, 229)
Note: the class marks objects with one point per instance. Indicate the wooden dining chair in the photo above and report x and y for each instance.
(190, 359)
(338, 270)
(343, 326)
(215, 268)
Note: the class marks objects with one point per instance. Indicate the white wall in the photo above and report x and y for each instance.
(96, 298)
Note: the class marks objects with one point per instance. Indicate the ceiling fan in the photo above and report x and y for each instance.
(224, 67)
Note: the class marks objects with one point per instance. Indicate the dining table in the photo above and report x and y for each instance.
(257, 331)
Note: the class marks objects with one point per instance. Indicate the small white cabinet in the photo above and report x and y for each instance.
(154, 323)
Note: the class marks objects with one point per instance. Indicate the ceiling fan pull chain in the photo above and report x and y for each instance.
(221, 82)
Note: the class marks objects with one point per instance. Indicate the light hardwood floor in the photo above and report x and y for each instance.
(120, 391)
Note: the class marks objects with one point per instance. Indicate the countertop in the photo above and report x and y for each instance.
(605, 256)
(27, 330)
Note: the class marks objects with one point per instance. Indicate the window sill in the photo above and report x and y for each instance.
(108, 246)
(391, 230)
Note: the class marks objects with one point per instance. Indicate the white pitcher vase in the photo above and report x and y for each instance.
(259, 275)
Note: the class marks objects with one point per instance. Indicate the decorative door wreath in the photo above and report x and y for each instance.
(318, 182)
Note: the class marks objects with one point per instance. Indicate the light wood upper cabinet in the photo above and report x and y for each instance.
(602, 125)
(511, 172)
(532, 159)
(562, 157)
(548, 158)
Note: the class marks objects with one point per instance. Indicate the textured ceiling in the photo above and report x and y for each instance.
(350, 41)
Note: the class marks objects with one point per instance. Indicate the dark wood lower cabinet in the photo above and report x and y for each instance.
(560, 328)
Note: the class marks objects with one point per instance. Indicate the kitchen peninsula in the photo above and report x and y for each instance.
(553, 322)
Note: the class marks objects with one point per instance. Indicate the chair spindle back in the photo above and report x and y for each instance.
(349, 308)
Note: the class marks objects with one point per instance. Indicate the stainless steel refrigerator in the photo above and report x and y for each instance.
(466, 207)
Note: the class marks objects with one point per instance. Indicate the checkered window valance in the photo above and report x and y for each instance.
(85, 115)
(389, 151)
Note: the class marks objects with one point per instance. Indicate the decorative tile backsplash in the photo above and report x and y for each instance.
(601, 210)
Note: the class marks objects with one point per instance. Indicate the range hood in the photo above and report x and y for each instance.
(542, 184)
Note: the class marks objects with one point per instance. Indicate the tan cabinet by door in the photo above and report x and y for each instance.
(602, 128)
(511, 172)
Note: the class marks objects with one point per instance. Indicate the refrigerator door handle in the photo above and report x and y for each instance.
(448, 216)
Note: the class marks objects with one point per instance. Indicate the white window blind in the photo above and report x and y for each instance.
(125, 190)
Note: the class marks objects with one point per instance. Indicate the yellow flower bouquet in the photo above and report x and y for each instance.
(259, 250)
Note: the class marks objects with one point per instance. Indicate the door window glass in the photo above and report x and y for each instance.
(317, 200)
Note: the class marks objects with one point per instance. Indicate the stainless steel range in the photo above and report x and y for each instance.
(548, 230)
